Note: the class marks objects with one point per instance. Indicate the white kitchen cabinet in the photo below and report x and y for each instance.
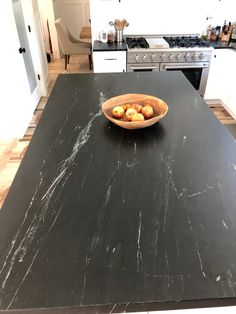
(231, 105)
(220, 83)
(231, 101)
(215, 88)
(109, 61)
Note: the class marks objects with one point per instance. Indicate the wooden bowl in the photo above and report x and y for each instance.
(160, 109)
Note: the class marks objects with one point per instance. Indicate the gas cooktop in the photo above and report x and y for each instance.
(186, 42)
(172, 42)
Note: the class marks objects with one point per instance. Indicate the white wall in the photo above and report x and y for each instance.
(222, 10)
(157, 17)
(149, 16)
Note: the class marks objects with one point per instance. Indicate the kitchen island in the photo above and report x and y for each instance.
(100, 219)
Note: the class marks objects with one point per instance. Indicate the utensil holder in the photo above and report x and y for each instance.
(119, 35)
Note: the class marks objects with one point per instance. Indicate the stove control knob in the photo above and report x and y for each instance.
(136, 58)
(194, 56)
(144, 58)
(178, 56)
(152, 57)
(186, 56)
(171, 56)
(162, 56)
(202, 56)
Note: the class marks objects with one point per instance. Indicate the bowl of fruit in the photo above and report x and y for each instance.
(134, 111)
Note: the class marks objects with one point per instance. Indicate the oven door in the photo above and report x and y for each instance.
(142, 67)
(196, 73)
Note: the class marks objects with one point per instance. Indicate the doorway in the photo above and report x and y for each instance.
(75, 14)
(24, 49)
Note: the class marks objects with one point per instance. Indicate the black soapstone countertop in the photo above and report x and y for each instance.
(218, 44)
(100, 46)
(100, 219)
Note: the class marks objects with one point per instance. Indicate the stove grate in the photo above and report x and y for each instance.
(139, 42)
(186, 42)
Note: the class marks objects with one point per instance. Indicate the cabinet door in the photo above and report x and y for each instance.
(231, 105)
(217, 87)
(231, 101)
(109, 61)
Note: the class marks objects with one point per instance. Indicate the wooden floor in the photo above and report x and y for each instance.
(222, 114)
(12, 151)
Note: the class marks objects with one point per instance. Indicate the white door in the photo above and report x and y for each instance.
(16, 98)
(25, 51)
(35, 37)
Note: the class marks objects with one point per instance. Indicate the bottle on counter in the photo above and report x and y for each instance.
(209, 32)
(111, 33)
(230, 29)
(213, 36)
(224, 27)
(225, 34)
(218, 28)
(233, 34)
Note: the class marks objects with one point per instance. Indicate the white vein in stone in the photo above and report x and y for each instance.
(200, 259)
(20, 247)
(114, 306)
(86, 173)
(21, 226)
(34, 257)
(131, 165)
(177, 247)
(108, 194)
(123, 197)
(224, 224)
(229, 277)
(219, 184)
(84, 286)
(201, 192)
(139, 254)
(166, 192)
(46, 199)
(218, 278)
(69, 111)
(118, 164)
(166, 258)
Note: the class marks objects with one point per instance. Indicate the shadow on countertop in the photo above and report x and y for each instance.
(231, 128)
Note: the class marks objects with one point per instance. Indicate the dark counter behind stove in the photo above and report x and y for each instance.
(129, 219)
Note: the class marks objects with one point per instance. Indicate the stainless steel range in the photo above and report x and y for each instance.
(188, 54)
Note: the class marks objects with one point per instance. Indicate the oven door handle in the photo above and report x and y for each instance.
(143, 68)
(169, 67)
